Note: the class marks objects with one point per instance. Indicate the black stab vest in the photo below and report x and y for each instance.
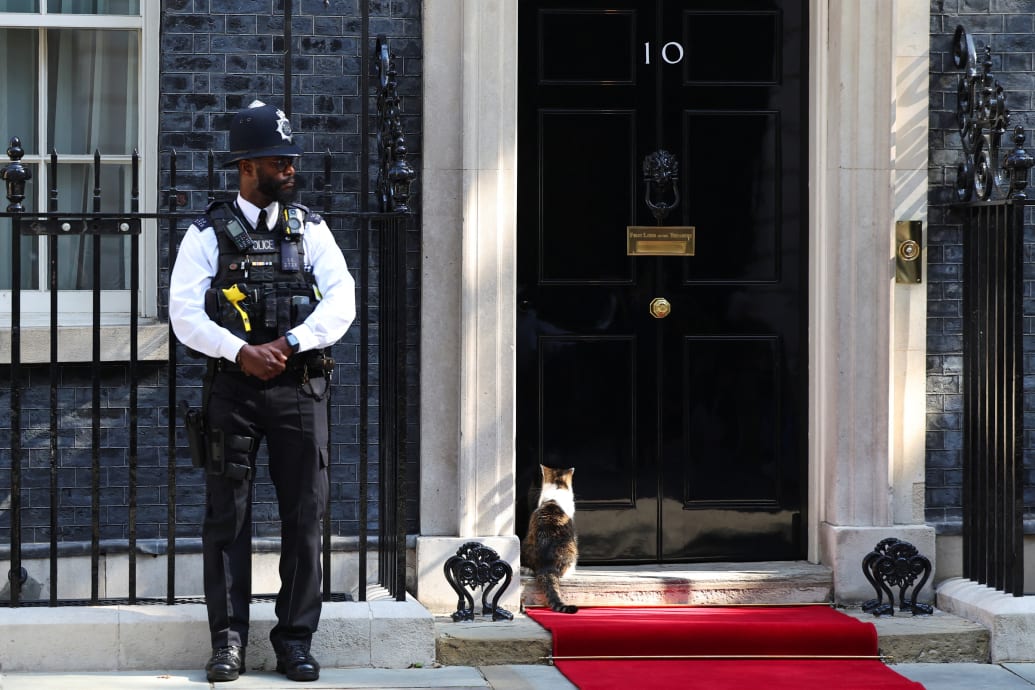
(251, 294)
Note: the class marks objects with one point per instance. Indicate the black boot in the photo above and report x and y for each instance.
(226, 663)
(295, 661)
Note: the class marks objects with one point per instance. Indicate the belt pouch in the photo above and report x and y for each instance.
(216, 461)
(301, 308)
(269, 310)
(194, 425)
(212, 305)
(284, 313)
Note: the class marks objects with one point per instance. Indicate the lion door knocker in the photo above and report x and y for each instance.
(896, 563)
(476, 565)
(660, 175)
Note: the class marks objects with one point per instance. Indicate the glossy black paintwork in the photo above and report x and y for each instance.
(687, 433)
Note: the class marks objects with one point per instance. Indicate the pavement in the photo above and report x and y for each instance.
(933, 676)
(522, 677)
(942, 652)
(969, 676)
(503, 656)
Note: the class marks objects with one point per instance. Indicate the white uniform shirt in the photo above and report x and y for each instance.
(198, 261)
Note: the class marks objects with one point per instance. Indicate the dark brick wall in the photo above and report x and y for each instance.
(219, 55)
(216, 57)
(73, 473)
(1008, 26)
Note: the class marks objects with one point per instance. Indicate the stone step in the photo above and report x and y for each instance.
(780, 582)
(378, 633)
(938, 638)
(903, 638)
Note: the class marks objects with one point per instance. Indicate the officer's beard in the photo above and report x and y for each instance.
(273, 189)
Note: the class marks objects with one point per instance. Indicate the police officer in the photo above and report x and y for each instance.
(261, 288)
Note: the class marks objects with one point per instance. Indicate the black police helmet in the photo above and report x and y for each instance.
(260, 130)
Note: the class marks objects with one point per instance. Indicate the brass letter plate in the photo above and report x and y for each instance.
(669, 240)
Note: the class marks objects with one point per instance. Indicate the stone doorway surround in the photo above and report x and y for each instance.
(868, 95)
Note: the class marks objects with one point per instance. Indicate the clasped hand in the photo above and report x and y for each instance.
(265, 361)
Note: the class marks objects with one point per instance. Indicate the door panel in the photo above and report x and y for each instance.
(686, 432)
(731, 47)
(731, 423)
(739, 240)
(569, 46)
(571, 222)
(595, 414)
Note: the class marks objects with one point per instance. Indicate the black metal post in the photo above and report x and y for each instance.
(288, 57)
(95, 412)
(134, 304)
(364, 396)
(54, 373)
(15, 175)
(326, 203)
(170, 457)
(364, 301)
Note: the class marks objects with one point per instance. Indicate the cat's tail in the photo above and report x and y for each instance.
(551, 587)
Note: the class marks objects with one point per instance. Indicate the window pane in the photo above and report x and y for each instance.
(94, 6)
(75, 253)
(18, 70)
(19, 6)
(92, 86)
(30, 257)
(29, 245)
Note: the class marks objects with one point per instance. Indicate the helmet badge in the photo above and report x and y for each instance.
(283, 126)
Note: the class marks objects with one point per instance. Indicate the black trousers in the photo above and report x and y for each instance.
(294, 426)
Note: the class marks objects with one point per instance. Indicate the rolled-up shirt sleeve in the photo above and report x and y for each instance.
(196, 263)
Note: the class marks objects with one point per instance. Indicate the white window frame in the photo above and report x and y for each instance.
(75, 306)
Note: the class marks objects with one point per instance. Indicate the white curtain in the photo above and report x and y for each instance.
(92, 91)
(18, 76)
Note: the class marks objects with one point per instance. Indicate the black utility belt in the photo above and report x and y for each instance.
(243, 309)
(310, 365)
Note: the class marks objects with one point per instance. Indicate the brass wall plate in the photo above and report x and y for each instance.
(652, 240)
(909, 247)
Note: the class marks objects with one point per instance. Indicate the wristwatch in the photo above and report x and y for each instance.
(292, 341)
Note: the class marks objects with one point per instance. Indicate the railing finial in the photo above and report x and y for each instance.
(983, 118)
(395, 174)
(15, 175)
(1018, 163)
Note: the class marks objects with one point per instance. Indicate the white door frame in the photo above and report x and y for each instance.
(866, 334)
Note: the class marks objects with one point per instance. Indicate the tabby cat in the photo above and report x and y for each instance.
(550, 548)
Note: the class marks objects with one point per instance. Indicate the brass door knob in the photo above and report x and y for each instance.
(660, 307)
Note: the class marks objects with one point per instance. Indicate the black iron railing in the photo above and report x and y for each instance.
(382, 313)
(993, 372)
(993, 394)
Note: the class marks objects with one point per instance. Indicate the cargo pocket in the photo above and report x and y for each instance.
(301, 307)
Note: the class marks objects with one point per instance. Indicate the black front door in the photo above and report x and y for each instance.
(687, 431)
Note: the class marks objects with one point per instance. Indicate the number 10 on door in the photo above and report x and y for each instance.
(671, 52)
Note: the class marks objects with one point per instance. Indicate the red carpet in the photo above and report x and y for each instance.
(628, 635)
